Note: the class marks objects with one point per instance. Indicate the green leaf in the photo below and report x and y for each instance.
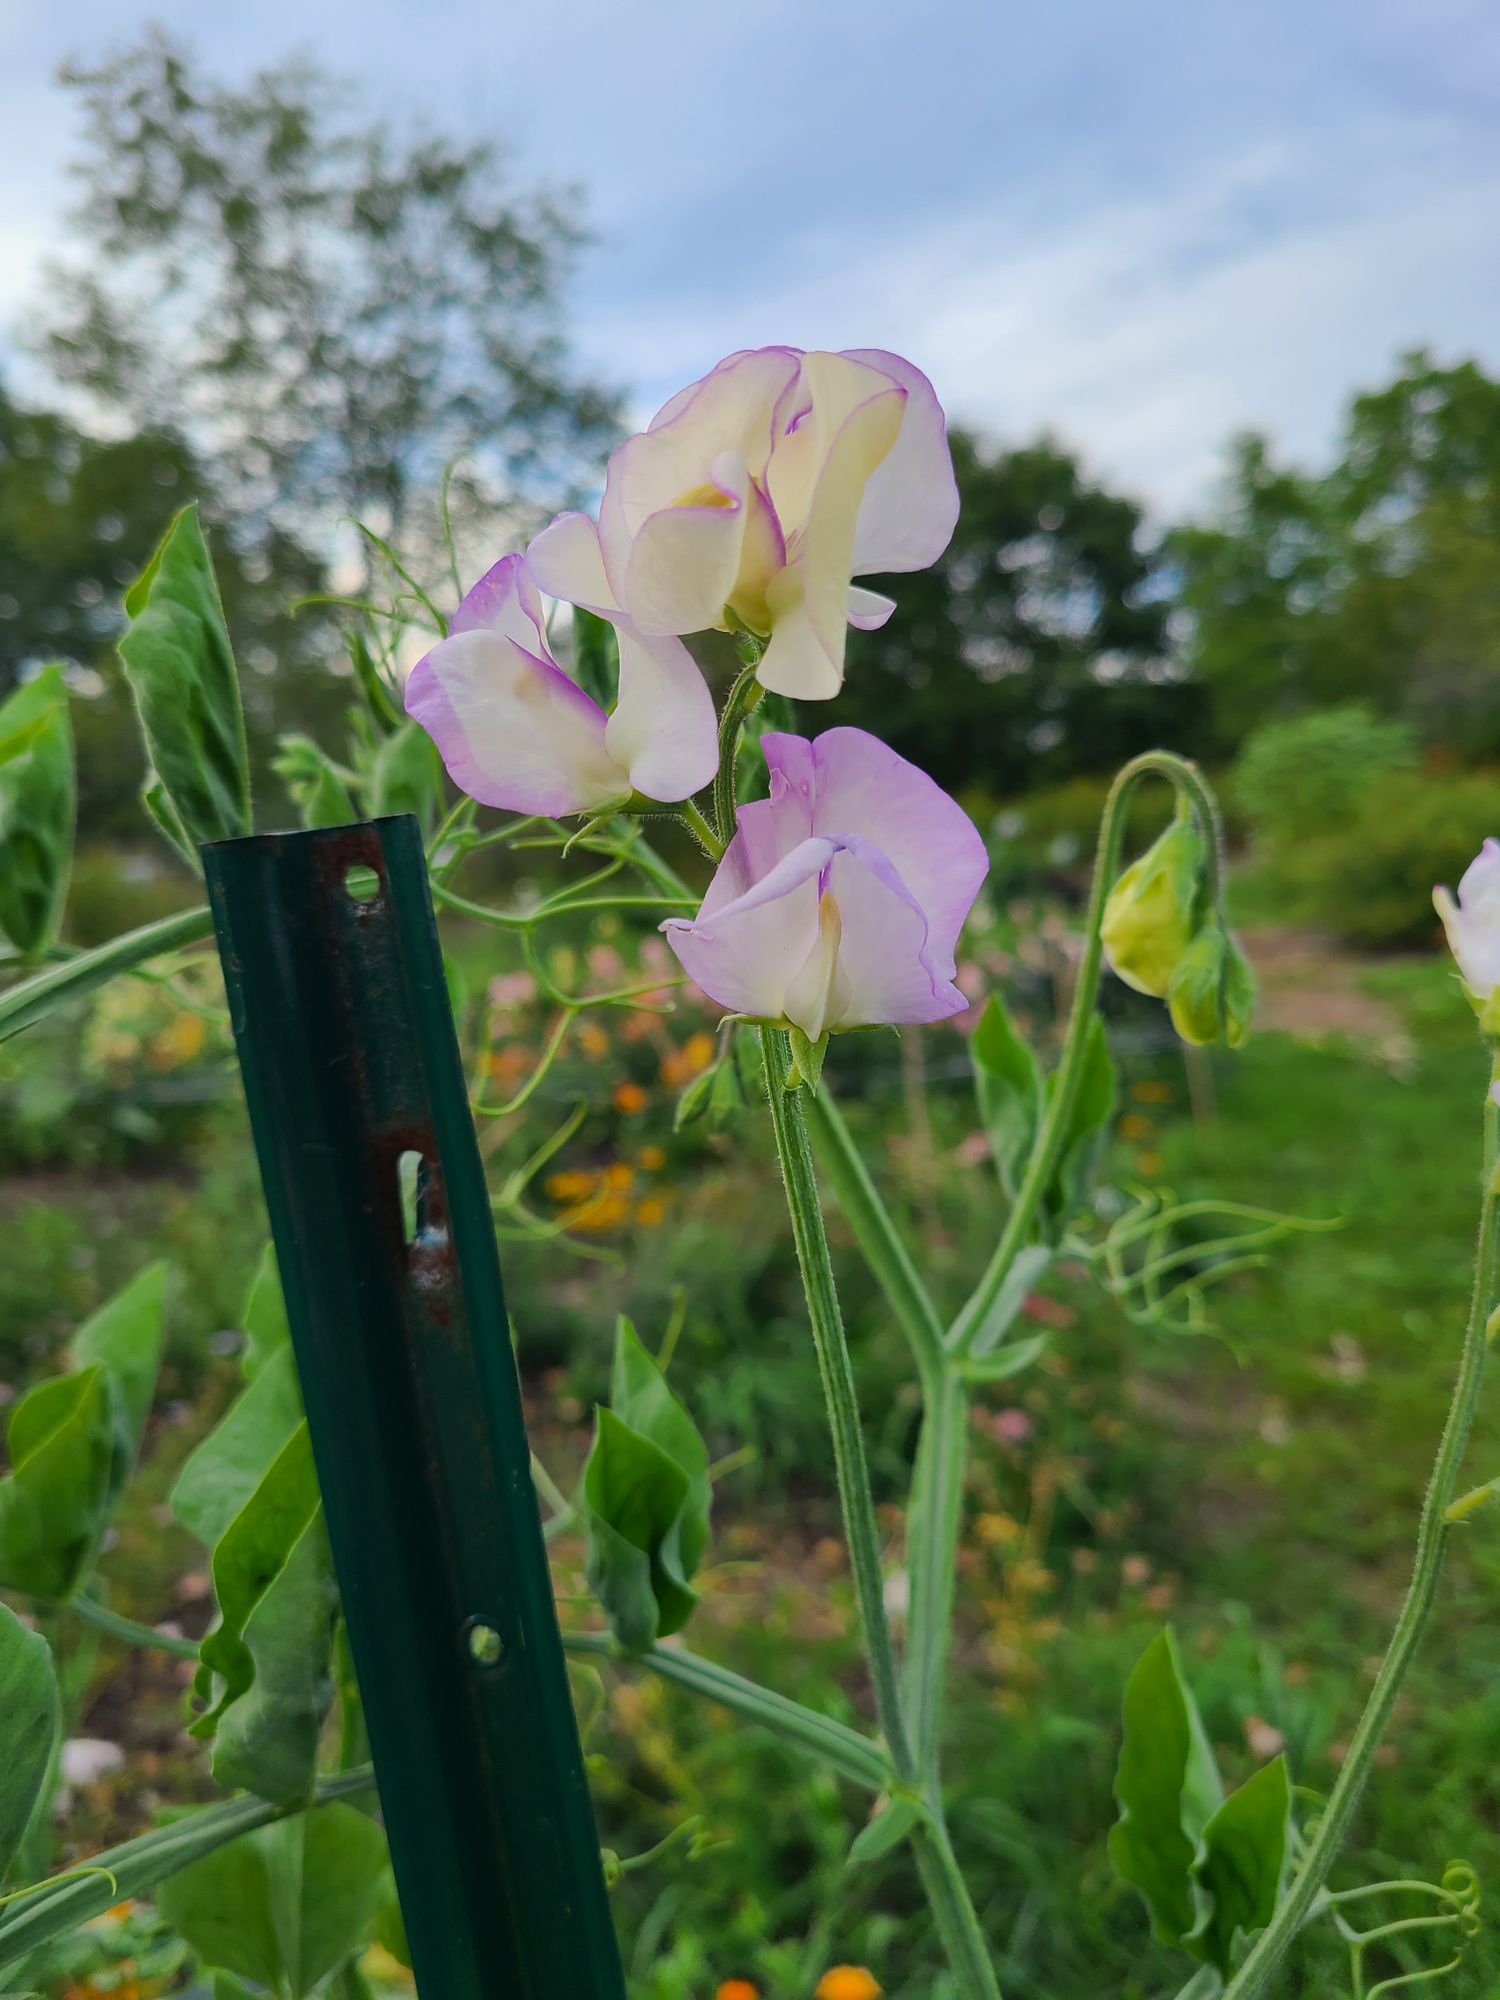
(1167, 1787)
(1019, 1281)
(181, 671)
(225, 1986)
(640, 1395)
(390, 1925)
(36, 810)
(221, 1474)
(1211, 997)
(125, 1337)
(886, 1830)
(596, 657)
(32, 1716)
(263, 1315)
(807, 1058)
(314, 781)
(633, 1499)
(285, 1905)
(1088, 1126)
(378, 698)
(1012, 1359)
(35, 998)
(696, 1101)
(54, 1501)
(405, 775)
(265, 1674)
(1242, 1864)
(1008, 1086)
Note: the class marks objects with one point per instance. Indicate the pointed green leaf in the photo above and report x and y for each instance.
(1088, 1126)
(285, 1905)
(886, 1830)
(633, 1498)
(265, 1673)
(36, 810)
(1242, 1864)
(263, 1316)
(181, 671)
(222, 1473)
(33, 999)
(32, 1716)
(125, 1337)
(1008, 1086)
(596, 657)
(1012, 1359)
(1019, 1281)
(641, 1396)
(405, 775)
(54, 1501)
(314, 781)
(1168, 1789)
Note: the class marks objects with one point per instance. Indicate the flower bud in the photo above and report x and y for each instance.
(1149, 917)
(1472, 921)
(1211, 995)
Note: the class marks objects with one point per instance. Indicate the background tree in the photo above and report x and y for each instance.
(1376, 581)
(1049, 595)
(331, 316)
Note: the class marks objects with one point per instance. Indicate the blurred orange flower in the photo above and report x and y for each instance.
(736, 1989)
(652, 1158)
(651, 1212)
(629, 1097)
(847, 1982)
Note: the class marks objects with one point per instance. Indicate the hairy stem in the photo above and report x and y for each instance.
(742, 697)
(131, 1630)
(953, 1912)
(934, 1518)
(839, 1392)
(1255, 1975)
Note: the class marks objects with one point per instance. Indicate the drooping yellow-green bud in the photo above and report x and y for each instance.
(1150, 915)
(1211, 994)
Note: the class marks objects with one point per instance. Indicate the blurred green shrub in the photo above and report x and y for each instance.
(1298, 777)
(1370, 879)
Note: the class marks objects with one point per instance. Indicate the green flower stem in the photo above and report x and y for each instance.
(1021, 1223)
(888, 1258)
(853, 1756)
(839, 1393)
(699, 828)
(1255, 1975)
(953, 1911)
(934, 1520)
(743, 696)
(34, 998)
(54, 1908)
(130, 1630)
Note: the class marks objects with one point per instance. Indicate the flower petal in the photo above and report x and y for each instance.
(888, 971)
(510, 726)
(847, 782)
(728, 411)
(566, 561)
(685, 558)
(868, 610)
(663, 731)
(504, 600)
(745, 949)
(910, 506)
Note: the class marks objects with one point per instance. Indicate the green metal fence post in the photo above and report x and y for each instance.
(350, 1064)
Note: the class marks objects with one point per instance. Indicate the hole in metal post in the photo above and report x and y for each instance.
(409, 1180)
(483, 1643)
(361, 884)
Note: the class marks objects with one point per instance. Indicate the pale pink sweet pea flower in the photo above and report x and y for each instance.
(839, 901)
(756, 496)
(1472, 921)
(515, 731)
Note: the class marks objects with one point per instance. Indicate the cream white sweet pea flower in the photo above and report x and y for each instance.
(754, 499)
(1472, 921)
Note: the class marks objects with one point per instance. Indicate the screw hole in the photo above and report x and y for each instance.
(483, 1643)
(361, 884)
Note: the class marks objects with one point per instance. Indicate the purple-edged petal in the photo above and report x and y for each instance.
(868, 610)
(888, 971)
(663, 732)
(565, 561)
(504, 600)
(685, 559)
(910, 506)
(847, 782)
(1473, 921)
(510, 726)
(745, 951)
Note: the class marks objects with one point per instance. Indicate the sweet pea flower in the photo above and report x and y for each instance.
(756, 496)
(515, 731)
(1472, 921)
(839, 901)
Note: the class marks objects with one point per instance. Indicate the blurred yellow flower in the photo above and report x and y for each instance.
(629, 1097)
(847, 1982)
(1150, 1092)
(652, 1158)
(619, 1174)
(593, 1040)
(571, 1186)
(651, 1212)
(680, 1066)
(1134, 1125)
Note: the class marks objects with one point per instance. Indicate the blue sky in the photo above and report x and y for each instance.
(1141, 225)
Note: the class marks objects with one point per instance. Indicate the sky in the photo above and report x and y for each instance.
(1142, 226)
